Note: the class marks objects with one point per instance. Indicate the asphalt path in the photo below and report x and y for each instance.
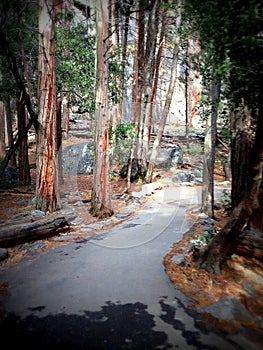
(110, 291)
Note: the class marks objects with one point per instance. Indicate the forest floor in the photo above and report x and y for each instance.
(238, 276)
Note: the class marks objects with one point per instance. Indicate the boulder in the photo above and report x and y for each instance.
(78, 159)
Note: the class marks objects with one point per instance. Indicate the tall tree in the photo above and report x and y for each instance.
(12, 28)
(209, 150)
(2, 130)
(47, 191)
(235, 29)
(169, 95)
(101, 196)
(144, 72)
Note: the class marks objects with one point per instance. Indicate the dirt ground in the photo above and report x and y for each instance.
(203, 288)
(240, 276)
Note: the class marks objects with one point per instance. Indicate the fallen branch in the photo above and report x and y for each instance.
(16, 233)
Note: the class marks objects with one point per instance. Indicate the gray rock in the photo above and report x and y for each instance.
(79, 204)
(63, 238)
(177, 159)
(122, 215)
(11, 211)
(20, 215)
(208, 228)
(76, 221)
(78, 159)
(218, 205)
(33, 246)
(163, 159)
(85, 229)
(229, 309)
(37, 213)
(209, 221)
(3, 254)
(77, 193)
(22, 202)
(195, 211)
(179, 260)
(97, 225)
(32, 201)
(203, 216)
(197, 173)
(70, 213)
(184, 177)
(198, 180)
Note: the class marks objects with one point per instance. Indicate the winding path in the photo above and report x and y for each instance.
(110, 291)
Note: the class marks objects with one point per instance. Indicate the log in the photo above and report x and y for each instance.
(16, 233)
(251, 243)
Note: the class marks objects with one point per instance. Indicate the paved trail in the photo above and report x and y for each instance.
(111, 291)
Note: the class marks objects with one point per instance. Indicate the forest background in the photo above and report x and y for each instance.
(122, 62)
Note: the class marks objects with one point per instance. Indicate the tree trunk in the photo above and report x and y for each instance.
(160, 56)
(65, 112)
(23, 161)
(101, 199)
(24, 95)
(241, 147)
(225, 242)
(2, 130)
(169, 95)
(136, 103)
(59, 139)
(16, 233)
(242, 216)
(209, 153)
(9, 127)
(149, 74)
(124, 59)
(194, 81)
(47, 192)
(187, 97)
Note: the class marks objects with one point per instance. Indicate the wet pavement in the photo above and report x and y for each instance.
(110, 291)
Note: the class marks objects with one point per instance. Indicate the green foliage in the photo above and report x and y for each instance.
(121, 140)
(204, 108)
(19, 23)
(76, 71)
(75, 53)
(123, 131)
(201, 240)
(231, 43)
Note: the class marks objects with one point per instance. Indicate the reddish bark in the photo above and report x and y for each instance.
(101, 201)
(47, 193)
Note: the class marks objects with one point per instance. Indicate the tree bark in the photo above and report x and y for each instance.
(241, 147)
(209, 153)
(149, 74)
(101, 198)
(2, 130)
(9, 127)
(24, 95)
(12, 234)
(23, 161)
(47, 191)
(224, 243)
